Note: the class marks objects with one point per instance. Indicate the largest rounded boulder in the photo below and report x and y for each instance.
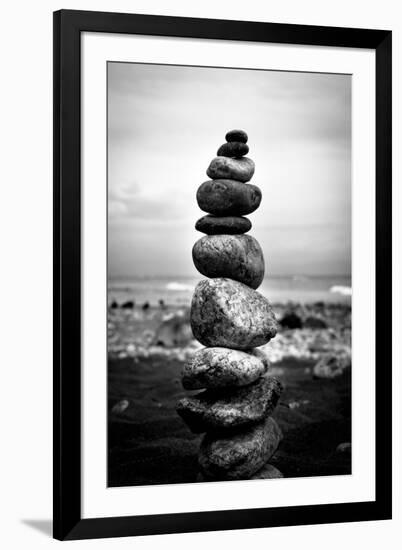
(226, 197)
(229, 314)
(237, 257)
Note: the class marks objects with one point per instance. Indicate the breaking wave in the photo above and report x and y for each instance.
(179, 286)
(344, 290)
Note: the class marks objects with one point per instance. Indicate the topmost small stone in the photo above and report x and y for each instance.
(237, 135)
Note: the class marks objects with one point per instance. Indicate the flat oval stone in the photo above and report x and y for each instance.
(221, 367)
(229, 314)
(228, 197)
(221, 410)
(234, 149)
(227, 168)
(237, 135)
(267, 472)
(226, 225)
(239, 455)
(238, 257)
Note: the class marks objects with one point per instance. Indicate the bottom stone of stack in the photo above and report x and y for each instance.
(241, 454)
(267, 472)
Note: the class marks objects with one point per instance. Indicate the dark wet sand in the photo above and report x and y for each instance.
(150, 444)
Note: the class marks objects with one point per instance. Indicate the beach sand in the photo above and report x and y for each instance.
(148, 443)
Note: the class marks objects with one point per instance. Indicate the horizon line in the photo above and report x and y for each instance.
(177, 276)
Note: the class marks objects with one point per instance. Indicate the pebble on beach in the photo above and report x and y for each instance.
(239, 169)
(239, 455)
(237, 257)
(229, 314)
(222, 367)
(225, 225)
(120, 407)
(226, 197)
(332, 365)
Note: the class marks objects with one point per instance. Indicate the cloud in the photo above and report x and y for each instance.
(165, 125)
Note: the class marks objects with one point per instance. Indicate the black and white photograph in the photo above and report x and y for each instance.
(229, 274)
(201, 275)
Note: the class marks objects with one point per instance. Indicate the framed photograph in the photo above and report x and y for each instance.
(222, 274)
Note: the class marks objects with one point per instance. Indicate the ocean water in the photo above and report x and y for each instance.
(177, 291)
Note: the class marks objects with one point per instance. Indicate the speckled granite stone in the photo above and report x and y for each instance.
(221, 410)
(221, 367)
(229, 314)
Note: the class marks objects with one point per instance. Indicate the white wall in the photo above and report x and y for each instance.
(26, 267)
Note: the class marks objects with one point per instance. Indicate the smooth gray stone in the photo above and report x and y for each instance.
(229, 314)
(228, 409)
(237, 135)
(222, 367)
(227, 168)
(268, 472)
(224, 225)
(224, 197)
(238, 257)
(239, 455)
(234, 149)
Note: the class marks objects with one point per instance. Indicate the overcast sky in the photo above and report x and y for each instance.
(165, 125)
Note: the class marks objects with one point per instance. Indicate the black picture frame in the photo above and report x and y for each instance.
(68, 26)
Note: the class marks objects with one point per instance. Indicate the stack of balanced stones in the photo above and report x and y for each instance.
(231, 319)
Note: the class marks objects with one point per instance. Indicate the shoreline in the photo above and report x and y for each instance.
(308, 331)
(149, 444)
(178, 291)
